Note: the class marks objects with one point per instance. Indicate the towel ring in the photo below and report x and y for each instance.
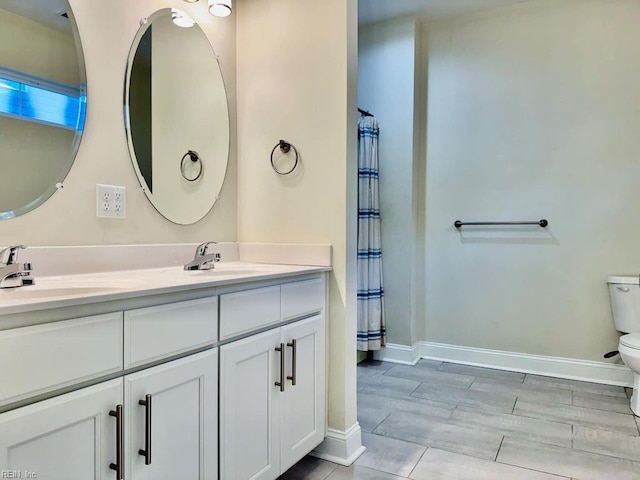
(285, 147)
(195, 158)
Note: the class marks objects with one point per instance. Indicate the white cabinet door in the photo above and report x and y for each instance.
(70, 437)
(250, 408)
(303, 404)
(183, 420)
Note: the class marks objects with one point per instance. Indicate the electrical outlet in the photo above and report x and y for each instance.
(111, 201)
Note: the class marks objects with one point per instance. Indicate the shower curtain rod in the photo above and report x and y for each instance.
(365, 113)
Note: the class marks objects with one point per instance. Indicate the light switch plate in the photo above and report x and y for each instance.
(111, 201)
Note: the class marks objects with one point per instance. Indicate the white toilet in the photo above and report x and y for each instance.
(624, 292)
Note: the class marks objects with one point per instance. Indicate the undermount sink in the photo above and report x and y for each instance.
(235, 269)
(24, 293)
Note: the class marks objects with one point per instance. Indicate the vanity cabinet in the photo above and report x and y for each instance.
(70, 437)
(272, 389)
(155, 333)
(182, 398)
(151, 393)
(302, 424)
(74, 437)
(50, 356)
(250, 408)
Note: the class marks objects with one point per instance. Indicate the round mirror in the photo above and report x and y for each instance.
(42, 101)
(177, 116)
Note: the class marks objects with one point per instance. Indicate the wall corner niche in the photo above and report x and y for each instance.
(43, 98)
(176, 116)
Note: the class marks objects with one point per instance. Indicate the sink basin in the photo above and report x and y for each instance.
(88, 281)
(25, 293)
(233, 269)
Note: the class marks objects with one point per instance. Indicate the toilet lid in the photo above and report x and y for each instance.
(633, 279)
(631, 340)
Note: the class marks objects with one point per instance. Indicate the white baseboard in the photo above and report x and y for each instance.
(340, 447)
(399, 354)
(585, 370)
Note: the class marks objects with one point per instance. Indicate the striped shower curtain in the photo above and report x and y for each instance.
(371, 328)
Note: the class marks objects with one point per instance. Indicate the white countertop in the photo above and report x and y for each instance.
(81, 289)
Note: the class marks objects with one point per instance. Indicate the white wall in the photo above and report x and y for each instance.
(297, 81)
(68, 218)
(386, 85)
(532, 113)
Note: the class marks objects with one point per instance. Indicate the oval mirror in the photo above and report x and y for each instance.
(177, 117)
(42, 101)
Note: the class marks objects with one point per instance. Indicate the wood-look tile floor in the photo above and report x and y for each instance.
(442, 421)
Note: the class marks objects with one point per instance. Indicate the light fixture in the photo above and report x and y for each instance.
(190, 1)
(220, 8)
(181, 19)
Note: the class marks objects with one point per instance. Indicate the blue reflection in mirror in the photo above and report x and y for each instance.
(34, 99)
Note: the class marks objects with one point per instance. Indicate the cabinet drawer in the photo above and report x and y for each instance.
(302, 298)
(243, 312)
(158, 332)
(43, 358)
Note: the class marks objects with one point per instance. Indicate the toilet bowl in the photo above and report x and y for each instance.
(624, 293)
(629, 348)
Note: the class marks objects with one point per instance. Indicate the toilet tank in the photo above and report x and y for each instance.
(624, 293)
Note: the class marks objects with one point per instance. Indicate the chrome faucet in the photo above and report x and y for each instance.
(202, 259)
(12, 273)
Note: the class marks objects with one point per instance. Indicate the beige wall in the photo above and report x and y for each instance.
(68, 218)
(532, 113)
(296, 80)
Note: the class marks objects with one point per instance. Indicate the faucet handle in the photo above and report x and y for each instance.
(9, 255)
(201, 250)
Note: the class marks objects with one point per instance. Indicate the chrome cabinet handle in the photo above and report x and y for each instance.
(281, 349)
(119, 465)
(146, 453)
(294, 348)
(623, 289)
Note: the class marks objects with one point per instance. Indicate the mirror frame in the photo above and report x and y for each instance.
(77, 140)
(145, 23)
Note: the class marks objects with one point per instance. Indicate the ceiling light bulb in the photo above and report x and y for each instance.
(181, 19)
(220, 8)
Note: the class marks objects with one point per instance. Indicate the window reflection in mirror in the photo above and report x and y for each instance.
(42, 101)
